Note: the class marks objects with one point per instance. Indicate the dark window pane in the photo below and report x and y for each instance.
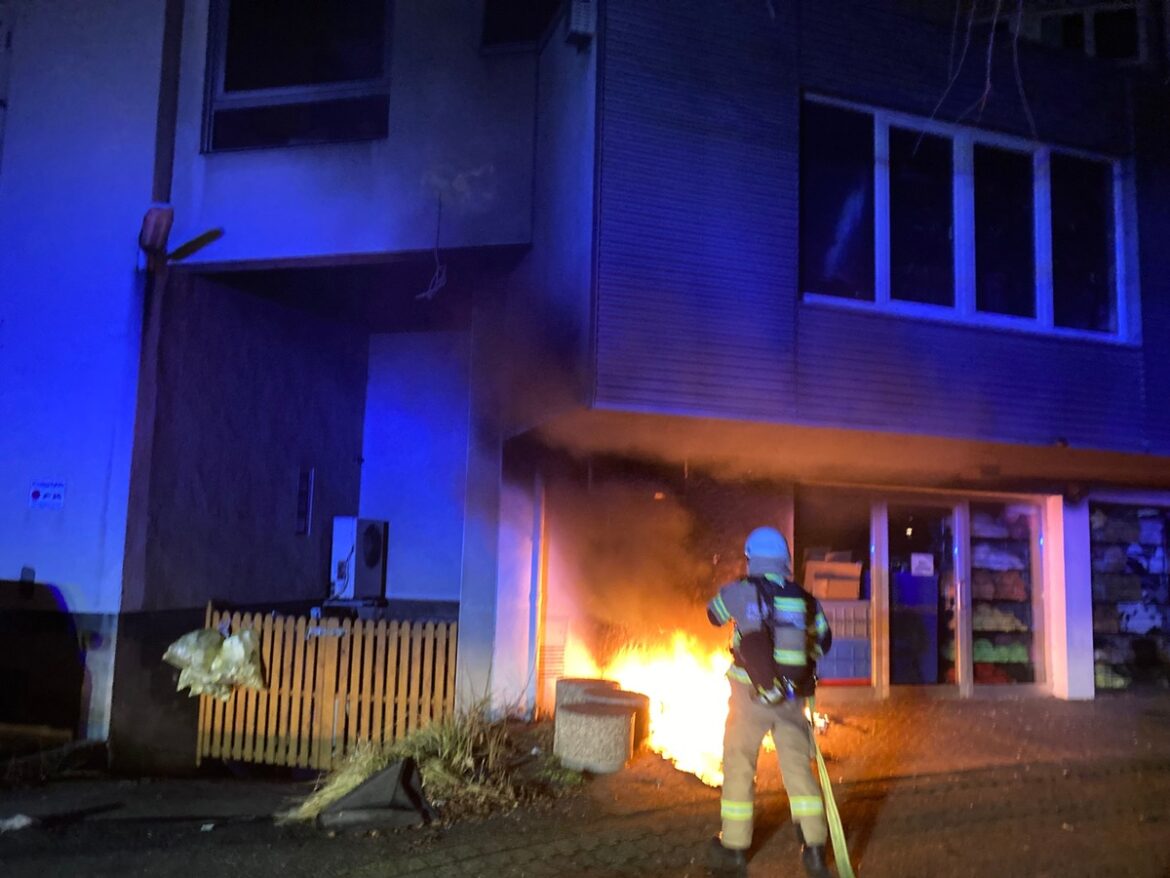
(836, 202)
(1050, 31)
(1004, 253)
(922, 265)
(516, 22)
(277, 43)
(297, 124)
(1072, 31)
(1082, 244)
(1115, 34)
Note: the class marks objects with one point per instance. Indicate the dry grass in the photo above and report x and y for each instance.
(471, 765)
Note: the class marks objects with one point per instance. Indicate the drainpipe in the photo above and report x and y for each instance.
(168, 102)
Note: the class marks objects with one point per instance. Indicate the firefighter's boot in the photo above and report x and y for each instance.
(725, 861)
(813, 857)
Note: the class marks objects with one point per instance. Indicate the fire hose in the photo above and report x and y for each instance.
(836, 830)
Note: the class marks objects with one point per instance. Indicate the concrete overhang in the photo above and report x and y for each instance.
(806, 454)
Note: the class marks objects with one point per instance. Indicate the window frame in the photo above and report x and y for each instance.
(1087, 14)
(215, 97)
(964, 312)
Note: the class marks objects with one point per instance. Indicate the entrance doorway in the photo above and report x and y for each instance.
(922, 595)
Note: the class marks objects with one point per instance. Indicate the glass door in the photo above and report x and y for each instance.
(923, 595)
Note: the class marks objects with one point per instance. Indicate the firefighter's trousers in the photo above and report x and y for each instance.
(747, 723)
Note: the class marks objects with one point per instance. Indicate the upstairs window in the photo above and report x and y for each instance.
(290, 72)
(929, 219)
(922, 260)
(1005, 256)
(1083, 274)
(836, 202)
(516, 24)
(1112, 30)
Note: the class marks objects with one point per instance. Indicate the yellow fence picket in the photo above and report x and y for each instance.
(274, 631)
(366, 728)
(330, 684)
(413, 717)
(305, 738)
(438, 696)
(428, 659)
(352, 713)
(392, 665)
(449, 700)
(402, 686)
(296, 692)
(341, 689)
(327, 694)
(381, 707)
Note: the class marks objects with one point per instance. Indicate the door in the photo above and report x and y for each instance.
(923, 595)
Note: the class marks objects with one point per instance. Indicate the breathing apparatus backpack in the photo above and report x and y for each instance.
(783, 635)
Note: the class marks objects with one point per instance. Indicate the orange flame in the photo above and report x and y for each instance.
(687, 687)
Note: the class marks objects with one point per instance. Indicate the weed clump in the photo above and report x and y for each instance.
(471, 766)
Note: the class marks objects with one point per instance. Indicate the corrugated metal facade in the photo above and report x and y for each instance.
(694, 255)
(887, 373)
(697, 308)
(1153, 185)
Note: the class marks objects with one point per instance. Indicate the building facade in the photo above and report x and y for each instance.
(572, 300)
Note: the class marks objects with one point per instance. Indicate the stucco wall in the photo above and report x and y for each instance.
(73, 187)
(460, 124)
(414, 458)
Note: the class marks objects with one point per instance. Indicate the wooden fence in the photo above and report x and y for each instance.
(330, 684)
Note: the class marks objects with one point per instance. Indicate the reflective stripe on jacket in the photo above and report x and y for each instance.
(800, 634)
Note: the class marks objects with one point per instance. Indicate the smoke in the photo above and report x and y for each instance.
(637, 558)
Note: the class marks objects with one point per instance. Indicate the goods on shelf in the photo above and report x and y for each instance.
(985, 650)
(1117, 587)
(1140, 617)
(989, 618)
(1131, 595)
(992, 556)
(991, 673)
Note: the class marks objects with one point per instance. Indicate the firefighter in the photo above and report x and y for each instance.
(779, 633)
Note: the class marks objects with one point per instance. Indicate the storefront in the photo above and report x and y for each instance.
(1131, 591)
(928, 589)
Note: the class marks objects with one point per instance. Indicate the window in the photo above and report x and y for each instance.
(1004, 242)
(922, 261)
(516, 23)
(836, 202)
(287, 72)
(1116, 34)
(1115, 31)
(925, 218)
(1082, 244)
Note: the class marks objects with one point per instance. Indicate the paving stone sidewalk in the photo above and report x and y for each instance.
(933, 788)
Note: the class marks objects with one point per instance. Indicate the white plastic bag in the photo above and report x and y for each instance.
(210, 664)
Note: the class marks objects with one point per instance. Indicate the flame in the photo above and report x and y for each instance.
(686, 683)
(687, 687)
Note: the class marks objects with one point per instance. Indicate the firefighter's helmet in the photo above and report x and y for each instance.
(766, 542)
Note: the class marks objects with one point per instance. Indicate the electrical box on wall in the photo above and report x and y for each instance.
(358, 568)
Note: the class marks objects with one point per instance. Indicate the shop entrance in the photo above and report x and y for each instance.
(922, 595)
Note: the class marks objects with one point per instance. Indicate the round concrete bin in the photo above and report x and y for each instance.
(572, 690)
(636, 700)
(588, 736)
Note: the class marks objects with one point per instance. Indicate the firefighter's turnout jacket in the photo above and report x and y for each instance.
(800, 636)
